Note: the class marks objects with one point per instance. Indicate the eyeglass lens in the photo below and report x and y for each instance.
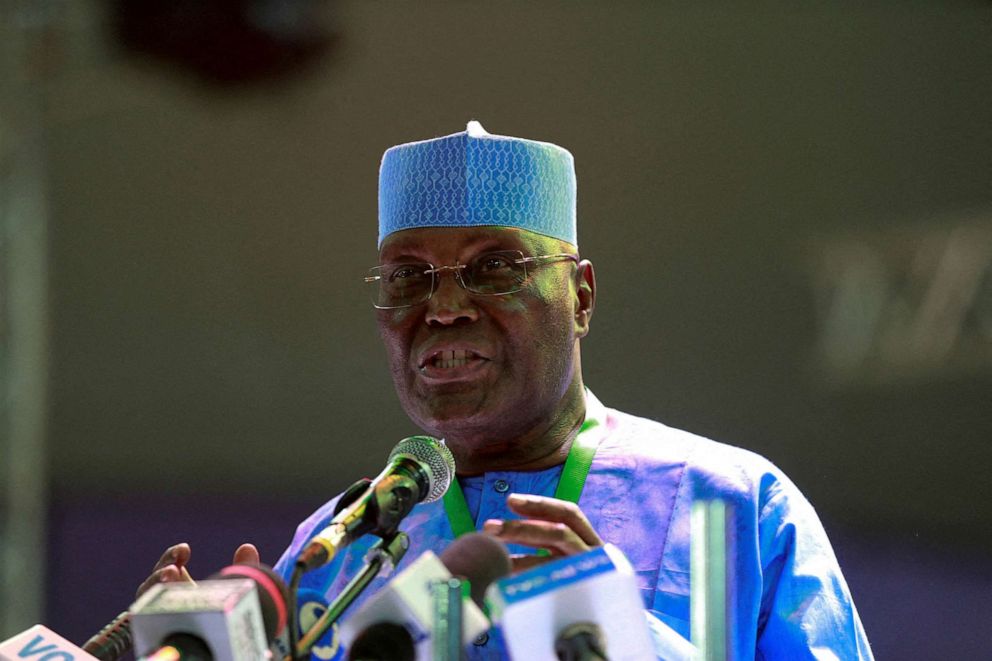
(400, 285)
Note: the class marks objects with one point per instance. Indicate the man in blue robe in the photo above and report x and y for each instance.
(482, 301)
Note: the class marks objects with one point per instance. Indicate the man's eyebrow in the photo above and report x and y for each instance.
(491, 243)
(402, 257)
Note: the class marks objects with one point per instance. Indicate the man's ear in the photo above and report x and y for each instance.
(585, 296)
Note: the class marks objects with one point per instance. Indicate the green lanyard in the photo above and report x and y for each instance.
(573, 478)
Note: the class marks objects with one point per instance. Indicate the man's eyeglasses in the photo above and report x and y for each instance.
(502, 272)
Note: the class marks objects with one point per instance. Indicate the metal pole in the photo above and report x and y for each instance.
(708, 579)
(24, 316)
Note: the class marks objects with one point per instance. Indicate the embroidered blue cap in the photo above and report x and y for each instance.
(473, 178)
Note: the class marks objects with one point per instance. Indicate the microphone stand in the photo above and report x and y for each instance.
(384, 554)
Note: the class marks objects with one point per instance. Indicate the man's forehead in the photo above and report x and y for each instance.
(426, 241)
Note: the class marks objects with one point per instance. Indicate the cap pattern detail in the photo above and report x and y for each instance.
(473, 178)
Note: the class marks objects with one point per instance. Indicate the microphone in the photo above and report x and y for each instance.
(113, 641)
(40, 641)
(476, 560)
(232, 616)
(480, 559)
(582, 641)
(116, 639)
(587, 605)
(184, 647)
(408, 601)
(382, 641)
(273, 595)
(419, 469)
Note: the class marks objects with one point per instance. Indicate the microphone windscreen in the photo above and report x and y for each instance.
(383, 641)
(433, 453)
(273, 595)
(480, 559)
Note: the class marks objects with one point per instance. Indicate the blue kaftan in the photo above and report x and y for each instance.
(788, 597)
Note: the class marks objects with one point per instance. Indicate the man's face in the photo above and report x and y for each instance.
(483, 370)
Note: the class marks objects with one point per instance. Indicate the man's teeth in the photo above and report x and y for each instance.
(456, 358)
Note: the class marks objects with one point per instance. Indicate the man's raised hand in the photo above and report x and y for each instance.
(558, 526)
(171, 567)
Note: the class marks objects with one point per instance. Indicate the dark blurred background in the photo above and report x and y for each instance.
(790, 211)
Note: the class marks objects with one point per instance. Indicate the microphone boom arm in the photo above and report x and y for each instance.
(384, 554)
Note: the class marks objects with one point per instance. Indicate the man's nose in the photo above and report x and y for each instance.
(451, 303)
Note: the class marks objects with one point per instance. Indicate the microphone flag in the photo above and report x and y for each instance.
(224, 614)
(40, 642)
(597, 587)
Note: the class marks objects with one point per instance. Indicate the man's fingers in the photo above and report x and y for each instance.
(522, 562)
(556, 537)
(174, 555)
(247, 554)
(548, 523)
(555, 510)
(167, 574)
(170, 568)
(150, 581)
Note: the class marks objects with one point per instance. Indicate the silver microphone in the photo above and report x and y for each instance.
(419, 469)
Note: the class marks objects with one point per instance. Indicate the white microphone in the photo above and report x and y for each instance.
(40, 642)
(212, 620)
(409, 602)
(588, 606)
(420, 469)
(115, 640)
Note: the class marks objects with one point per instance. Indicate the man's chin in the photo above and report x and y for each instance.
(457, 425)
(454, 415)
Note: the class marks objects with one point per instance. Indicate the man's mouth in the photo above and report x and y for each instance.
(451, 359)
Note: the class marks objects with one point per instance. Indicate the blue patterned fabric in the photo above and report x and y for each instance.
(473, 178)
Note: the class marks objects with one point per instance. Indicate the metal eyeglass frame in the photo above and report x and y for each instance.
(457, 269)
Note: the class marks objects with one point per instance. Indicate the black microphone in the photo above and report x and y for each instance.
(383, 641)
(420, 469)
(581, 641)
(475, 561)
(480, 559)
(113, 641)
